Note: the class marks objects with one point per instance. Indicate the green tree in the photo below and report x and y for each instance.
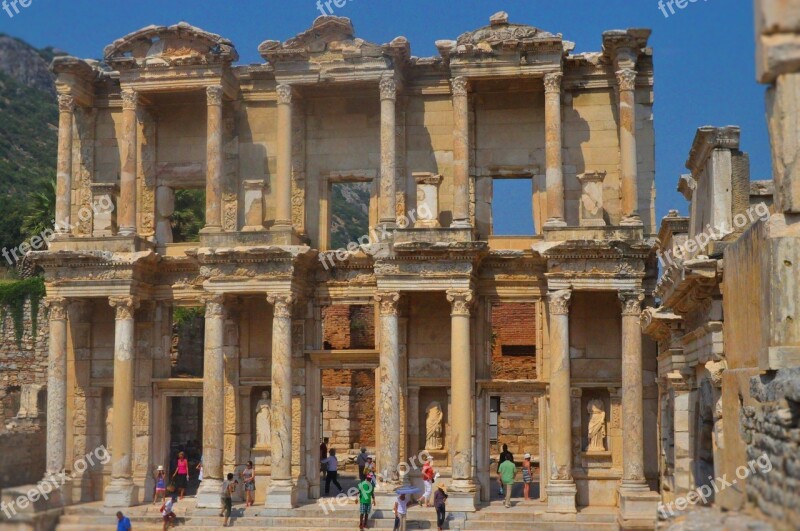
(40, 211)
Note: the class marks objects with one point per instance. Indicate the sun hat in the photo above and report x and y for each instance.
(442, 486)
(160, 468)
(527, 456)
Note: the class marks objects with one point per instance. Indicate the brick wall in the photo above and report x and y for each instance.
(348, 327)
(348, 408)
(513, 325)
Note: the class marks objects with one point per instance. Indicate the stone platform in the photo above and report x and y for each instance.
(491, 517)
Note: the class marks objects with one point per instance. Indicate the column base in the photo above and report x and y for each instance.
(463, 496)
(282, 494)
(561, 496)
(120, 493)
(555, 222)
(638, 506)
(631, 221)
(461, 224)
(209, 496)
(211, 229)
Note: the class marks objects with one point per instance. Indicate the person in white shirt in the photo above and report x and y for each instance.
(166, 512)
(333, 472)
(401, 511)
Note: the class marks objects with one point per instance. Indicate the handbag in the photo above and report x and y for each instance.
(171, 487)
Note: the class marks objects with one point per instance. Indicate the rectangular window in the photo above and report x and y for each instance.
(518, 350)
(494, 415)
(512, 207)
(349, 213)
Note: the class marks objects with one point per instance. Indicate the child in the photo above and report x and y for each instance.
(167, 514)
(161, 485)
(366, 496)
(228, 488)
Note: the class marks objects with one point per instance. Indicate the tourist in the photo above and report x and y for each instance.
(181, 474)
(366, 496)
(199, 469)
(400, 512)
(507, 471)
(123, 522)
(249, 482)
(167, 514)
(361, 461)
(369, 469)
(332, 476)
(161, 484)
(505, 455)
(439, 501)
(228, 488)
(527, 476)
(323, 455)
(427, 478)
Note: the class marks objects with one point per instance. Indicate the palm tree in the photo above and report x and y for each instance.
(41, 211)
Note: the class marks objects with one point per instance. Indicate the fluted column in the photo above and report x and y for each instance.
(561, 488)
(120, 492)
(388, 198)
(213, 402)
(461, 385)
(554, 173)
(57, 386)
(632, 404)
(460, 153)
(389, 406)
(128, 148)
(626, 81)
(214, 162)
(281, 493)
(283, 183)
(66, 112)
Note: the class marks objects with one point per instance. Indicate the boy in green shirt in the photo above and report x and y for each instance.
(507, 471)
(366, 495)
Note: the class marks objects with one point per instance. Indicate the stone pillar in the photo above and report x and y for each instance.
(282, 492)
(554, 173)
(388, 197)
(128, 149)
(66, 113)
(121, 492)
(390, 391)
(561, 488)
(283, 183)
(460, 153)
(412, 421)
(56, 450)
(214, 163)
(464, 490)
(626, 81)
(213, 403)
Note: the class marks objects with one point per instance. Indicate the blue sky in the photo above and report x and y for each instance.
(704, 53)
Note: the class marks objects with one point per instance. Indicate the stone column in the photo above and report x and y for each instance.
(389, 407)
(66, 112)
(464, 489)
(128, 149)
(460, 153)
(283, 183)
(632, 405)
(412, 421)
(626, 81)
(214, 164)
(213, 403)
(56, 450)
(561, 488)
(282, 492)
(553, 140)
(388, 197)
(121, 492)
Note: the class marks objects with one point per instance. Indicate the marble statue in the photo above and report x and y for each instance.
(597, 425)
(434, 427)
(109, 425)
(263, 420)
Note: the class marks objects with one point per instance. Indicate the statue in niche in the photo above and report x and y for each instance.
(109, 425)
(597, 425)
(434, 427)
(263, 421)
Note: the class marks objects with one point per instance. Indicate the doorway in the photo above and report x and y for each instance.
(186, 435)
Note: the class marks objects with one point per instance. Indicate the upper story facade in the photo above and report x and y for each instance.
(428, 137)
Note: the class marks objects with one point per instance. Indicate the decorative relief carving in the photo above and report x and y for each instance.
(214, 95)
(631, 302)
(559, 301)
(58, 308)
(124, 306)
(460, 86)
(130, 99)
(388, 87)
(460, 301)
(66, 103)
(285, 94)
(626, 79)
(552, 82)
(215, 306)
(282, 305)
(389, 302)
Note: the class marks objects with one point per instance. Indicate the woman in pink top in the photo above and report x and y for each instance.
(181, 474)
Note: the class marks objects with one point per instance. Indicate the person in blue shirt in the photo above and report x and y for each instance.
(123, 522)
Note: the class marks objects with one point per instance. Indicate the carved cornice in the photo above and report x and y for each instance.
(282, 304)
(285, 93)
(214, 95)
(66, 103)
(460, 301)
(388, 88)
(631, 302)
(58, 308)
(559, 301)
(389, 302)
(460, 86)
(552, 82)
(626, 79)
(124, 306)
(130, 99)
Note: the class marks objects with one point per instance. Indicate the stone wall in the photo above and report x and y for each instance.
(348, 408)
(518, 426)
(22, 457)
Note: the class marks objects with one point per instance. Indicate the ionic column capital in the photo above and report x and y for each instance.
(58, 307)
(559, 301)
(388, 87)
(631, 302)
(552, 82)
(125, 306)
(130, 99)
(66, 103)
(282, 304)
(214, 95)
(285, 94)
(626, 79)
(460, 86)
(389, 302)
(460, 301)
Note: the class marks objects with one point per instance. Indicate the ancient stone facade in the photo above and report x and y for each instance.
(267, 142)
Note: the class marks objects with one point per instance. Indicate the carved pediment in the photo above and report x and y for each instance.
(166, 46)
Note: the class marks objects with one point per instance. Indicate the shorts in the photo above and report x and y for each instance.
(366, 508)
(250, 486)
(168, 517)
(227, 503)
